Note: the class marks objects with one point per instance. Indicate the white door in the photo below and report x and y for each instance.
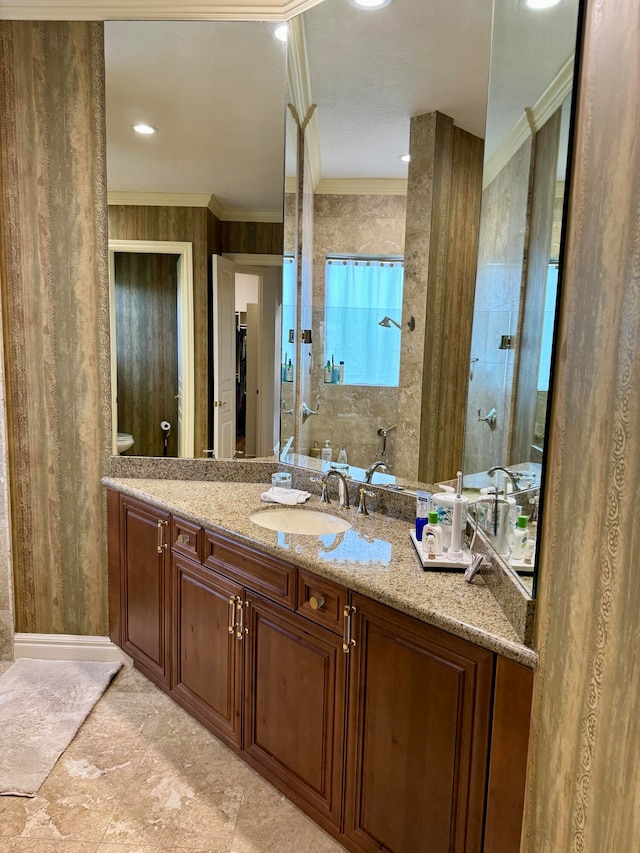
(224, 357)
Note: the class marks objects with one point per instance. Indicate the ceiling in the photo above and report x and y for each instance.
(216, 92)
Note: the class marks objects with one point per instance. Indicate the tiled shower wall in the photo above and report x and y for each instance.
(350, 415)
(503, 234)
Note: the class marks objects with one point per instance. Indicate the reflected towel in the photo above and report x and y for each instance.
(276, 495)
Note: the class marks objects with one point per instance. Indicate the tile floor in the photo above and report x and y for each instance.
(141, 776)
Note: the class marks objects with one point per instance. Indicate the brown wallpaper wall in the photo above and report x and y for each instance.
(583, 792)
(55, 306)
(441, 249)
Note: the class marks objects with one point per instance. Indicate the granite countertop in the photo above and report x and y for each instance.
(375, 557)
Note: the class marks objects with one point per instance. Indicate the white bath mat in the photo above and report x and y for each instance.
(42, 706)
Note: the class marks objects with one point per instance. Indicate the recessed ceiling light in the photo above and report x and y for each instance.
(145, 129)
(406, 158)
(369, 4)
(281, 32)
(542, 4)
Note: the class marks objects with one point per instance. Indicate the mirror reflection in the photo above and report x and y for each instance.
(526, 153)
(194, 333)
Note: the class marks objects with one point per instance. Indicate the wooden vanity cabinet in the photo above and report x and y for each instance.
(144, 588)
(386, 746)
(207, 656)
(417, 735)
(294, 706)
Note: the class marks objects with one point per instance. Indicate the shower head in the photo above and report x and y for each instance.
(387, 322)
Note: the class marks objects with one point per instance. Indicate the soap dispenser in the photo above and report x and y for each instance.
(326, 452)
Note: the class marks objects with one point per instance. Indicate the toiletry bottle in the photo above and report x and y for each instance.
(530, 551)
(326, 452)
(328, 372)
(336, 374)
(341, 373)
(423, 505)
(289, 372)
(342, 455)
(434, 529)
(520, 537)
(315, 450)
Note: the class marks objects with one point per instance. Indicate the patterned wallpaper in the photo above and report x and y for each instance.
(54, 270)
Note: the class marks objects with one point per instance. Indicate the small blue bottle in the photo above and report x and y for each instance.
(423, 505)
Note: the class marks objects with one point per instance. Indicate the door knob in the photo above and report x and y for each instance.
(219, 403)
(316, 602)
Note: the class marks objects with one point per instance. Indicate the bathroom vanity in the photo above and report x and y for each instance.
(388, 703)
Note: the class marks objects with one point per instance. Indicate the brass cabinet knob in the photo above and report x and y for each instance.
(183, 539)
(316, 602)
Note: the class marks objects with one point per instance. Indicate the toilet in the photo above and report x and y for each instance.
(125, 442)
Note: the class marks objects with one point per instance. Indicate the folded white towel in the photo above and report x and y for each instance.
(276, 495)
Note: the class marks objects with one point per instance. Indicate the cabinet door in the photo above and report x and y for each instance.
(294, 706)
(144, 565)
(207, 656)
(417, 736)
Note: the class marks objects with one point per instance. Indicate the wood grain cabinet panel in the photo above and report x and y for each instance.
(207, 657)
(417, 736)
(144, 565)
(294, 706)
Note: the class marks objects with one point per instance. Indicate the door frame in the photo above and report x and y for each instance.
(186, 354)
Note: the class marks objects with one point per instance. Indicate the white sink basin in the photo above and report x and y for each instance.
(290, 519)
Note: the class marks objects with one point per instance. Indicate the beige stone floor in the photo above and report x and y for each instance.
(141, 776)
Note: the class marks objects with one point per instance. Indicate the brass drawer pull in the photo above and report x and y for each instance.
(317, 602)
(183, 539)
(240, 628)
(232, 610)
(162, 545)
(347, 639)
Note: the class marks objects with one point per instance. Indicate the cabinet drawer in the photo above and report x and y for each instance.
(321, 600)
(259, 572)
(186, 538)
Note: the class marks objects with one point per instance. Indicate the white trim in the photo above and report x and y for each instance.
(362, 186)
(247, 214)
(290, 184)
(67, 647)
(299, 81)
(152, 10)
(158, 199)
(253, 260)
(530, 121)
(186, 355)
(228, 214)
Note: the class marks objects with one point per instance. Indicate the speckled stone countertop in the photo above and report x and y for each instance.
(375, 557)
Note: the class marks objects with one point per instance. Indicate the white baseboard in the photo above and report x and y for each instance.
(67, 647)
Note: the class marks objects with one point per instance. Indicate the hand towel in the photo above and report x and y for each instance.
(291, 497)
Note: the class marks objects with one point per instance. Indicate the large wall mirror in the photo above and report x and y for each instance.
(195, 235)
(369, 74)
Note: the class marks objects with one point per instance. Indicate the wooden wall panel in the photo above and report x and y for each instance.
(443, 211)
(55, 308)
(147, 350)
(582, 790)
(252, 238)
(181, 224)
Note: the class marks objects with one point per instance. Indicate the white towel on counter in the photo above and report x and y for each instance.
(276, 495)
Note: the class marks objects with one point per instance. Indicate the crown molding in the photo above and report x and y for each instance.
(153, 10)
(247, 214)
(159, 199)
(362, 186)
(530, 121)
(225, 214)
(299, 81)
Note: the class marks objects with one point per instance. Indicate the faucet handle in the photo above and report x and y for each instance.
(362, 506)
(324, 497)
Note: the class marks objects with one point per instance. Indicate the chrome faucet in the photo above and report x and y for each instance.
(343, 491)
(514, 479)
(373, 468)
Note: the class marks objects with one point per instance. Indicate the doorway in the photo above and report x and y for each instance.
(152, 356)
